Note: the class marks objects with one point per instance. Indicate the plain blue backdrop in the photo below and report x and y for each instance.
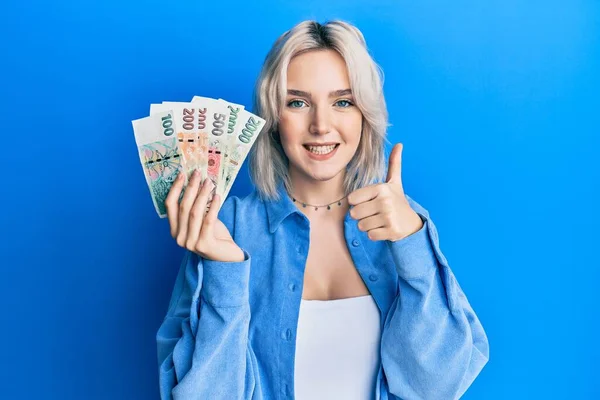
(496, 102)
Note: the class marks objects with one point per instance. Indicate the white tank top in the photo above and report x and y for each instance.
(337, 349)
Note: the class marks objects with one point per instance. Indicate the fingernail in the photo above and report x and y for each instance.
(180, 176)
(196, 173)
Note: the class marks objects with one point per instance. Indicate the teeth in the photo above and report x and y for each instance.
(321, 149)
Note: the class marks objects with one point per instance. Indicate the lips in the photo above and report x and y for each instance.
(320, 146)
(321, 151)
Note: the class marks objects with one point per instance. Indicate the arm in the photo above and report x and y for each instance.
(433, 345)
(203, 350)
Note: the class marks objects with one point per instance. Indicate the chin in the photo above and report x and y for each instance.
(323, 175)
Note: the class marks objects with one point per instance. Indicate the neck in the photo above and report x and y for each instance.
(320, 193)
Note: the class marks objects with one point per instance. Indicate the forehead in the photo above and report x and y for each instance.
(318, 71)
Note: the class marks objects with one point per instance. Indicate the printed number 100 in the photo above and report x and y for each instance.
(167, 122)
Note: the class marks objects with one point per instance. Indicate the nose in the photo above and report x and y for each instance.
(320, 123)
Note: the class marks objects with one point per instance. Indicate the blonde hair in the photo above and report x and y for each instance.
(268, 162)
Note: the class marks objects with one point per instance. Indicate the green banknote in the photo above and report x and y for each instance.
(243, 139)
(159, 154)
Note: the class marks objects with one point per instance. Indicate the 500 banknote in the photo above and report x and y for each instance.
(216, 127)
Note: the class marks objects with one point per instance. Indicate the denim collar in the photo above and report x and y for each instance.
(278, 210)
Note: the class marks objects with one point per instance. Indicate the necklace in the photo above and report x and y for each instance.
(339, 203)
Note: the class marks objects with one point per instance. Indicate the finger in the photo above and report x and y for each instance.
(372, 222)
(213, 190)
(210, 220)
(362, 195)
(197, 214)
(172, 203)
(378, 234)
(212, 215)
(364, 210)
(395, 165)
(184, 207)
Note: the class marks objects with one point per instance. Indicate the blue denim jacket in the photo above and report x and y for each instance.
(230, 329)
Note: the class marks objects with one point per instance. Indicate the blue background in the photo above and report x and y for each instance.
(495, 101)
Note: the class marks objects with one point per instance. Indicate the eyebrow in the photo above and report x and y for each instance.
(335, 93)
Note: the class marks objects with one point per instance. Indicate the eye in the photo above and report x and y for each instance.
(296, 104)
(344, 103)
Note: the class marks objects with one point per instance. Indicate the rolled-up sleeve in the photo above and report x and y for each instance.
(203, 340)
(202, 344)
(433, 344)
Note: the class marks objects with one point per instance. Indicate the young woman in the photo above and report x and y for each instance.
(326, 282)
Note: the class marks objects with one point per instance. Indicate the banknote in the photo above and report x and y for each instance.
(190, 122)
(216, 125)
(210, 135)
(248, 129)
(234, 110)
(159, 154)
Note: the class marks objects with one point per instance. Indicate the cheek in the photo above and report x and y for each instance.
(290, 128)
(352, 129)
(289, 134)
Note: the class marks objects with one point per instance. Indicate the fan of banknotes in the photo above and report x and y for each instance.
(209, 135)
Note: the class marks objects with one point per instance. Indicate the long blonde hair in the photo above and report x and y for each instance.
(268, 162)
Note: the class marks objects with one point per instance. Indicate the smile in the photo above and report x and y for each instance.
(321, 152)
(321, 149)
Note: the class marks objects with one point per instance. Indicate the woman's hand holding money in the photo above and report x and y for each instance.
(195, 229)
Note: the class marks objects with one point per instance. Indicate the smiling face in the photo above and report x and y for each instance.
(320, 125)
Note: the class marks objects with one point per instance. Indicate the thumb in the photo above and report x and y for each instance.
(394, 174)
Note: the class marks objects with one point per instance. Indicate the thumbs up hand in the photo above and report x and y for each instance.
(382, 209)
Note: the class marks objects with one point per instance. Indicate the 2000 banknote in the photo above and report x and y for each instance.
(243, 139)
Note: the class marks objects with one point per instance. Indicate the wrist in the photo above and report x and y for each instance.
(418, 224)
(239, 255)
(232, 255)
(236, 255)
